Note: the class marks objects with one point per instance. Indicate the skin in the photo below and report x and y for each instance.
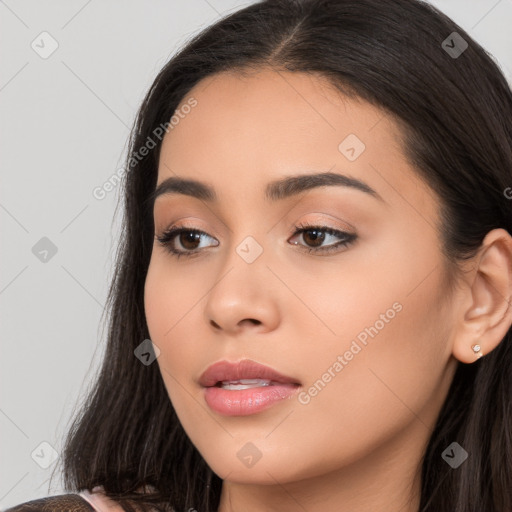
(357, 445)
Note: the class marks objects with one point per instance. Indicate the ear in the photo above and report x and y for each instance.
(486, 313)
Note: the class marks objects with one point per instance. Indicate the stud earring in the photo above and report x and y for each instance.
(477, 351)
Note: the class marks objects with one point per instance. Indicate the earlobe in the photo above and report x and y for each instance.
(487, 319)
(477, 349)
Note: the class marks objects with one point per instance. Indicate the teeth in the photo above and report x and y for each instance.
(244, 384)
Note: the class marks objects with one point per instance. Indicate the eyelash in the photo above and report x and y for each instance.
(167, 238)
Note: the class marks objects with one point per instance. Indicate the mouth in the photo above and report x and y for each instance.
(245, 387)
(235, 385)
(244, 374)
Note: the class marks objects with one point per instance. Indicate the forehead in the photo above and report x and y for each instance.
(275, 106)
(266, 114)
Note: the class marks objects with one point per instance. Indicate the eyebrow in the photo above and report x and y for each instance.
(275, 190)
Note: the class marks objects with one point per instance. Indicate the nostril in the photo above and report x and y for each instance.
(215, 324)
(252, 320)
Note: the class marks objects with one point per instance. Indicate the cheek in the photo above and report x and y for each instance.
(174, 300)
(169, 302)
(374, 337)
(171, 293)
(165, 302)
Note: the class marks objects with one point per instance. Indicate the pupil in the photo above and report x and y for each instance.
(317, 239)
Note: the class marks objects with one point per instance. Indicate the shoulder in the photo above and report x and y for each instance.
(60, 503)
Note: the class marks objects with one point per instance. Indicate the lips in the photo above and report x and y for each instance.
(242, 370)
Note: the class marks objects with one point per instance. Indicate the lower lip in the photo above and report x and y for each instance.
(243, 402)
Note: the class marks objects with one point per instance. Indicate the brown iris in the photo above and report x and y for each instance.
(316, 238)
(188, 237)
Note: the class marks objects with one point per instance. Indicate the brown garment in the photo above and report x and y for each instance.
(60, 503)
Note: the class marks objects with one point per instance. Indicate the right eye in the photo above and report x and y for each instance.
(187, 238)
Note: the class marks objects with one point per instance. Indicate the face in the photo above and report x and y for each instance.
(333, 285)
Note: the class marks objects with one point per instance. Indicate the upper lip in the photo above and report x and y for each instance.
(244, 369)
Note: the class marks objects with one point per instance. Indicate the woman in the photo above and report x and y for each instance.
(311, 303)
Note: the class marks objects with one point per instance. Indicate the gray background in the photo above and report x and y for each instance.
(64, 124)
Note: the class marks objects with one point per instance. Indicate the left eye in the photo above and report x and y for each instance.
(317, 235)
(189, 238)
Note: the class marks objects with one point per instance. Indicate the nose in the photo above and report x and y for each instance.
(243, 298)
